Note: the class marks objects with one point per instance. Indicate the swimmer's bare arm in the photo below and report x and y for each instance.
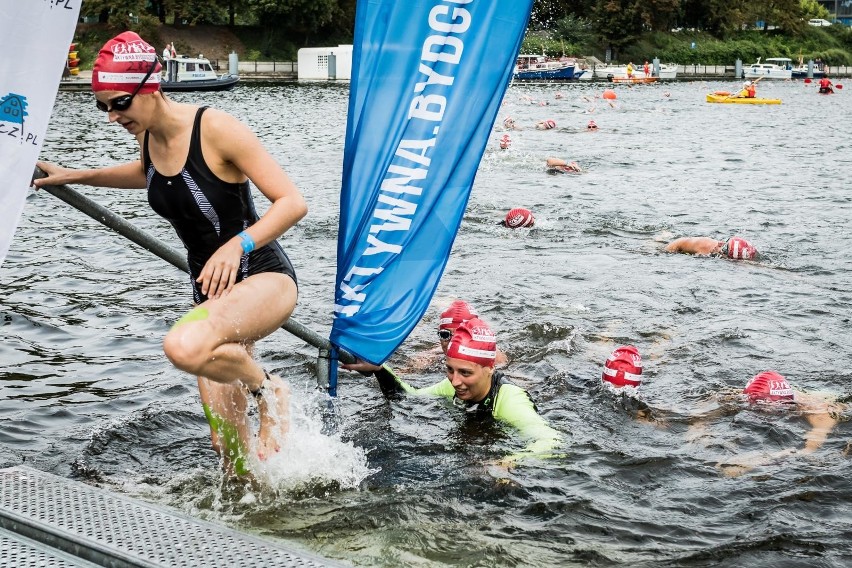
(234, 153)
(123, 176)
(693, 245)
(821, 426)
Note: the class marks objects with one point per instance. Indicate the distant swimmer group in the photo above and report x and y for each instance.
(766, 391)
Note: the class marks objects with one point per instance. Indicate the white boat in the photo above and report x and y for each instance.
(183, 73)
(772, 68)
(667, 71)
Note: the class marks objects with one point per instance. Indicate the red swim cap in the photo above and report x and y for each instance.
(548, 124)
(519, 217)
(123, 62)
(739, 248)
(458, 312)
(769, 386)
(623, 368)
(505, 142)
(475, 342)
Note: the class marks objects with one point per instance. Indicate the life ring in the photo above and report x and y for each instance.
(721, 93)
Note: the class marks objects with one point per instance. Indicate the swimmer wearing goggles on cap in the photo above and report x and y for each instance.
(473, 385)
(243, 284)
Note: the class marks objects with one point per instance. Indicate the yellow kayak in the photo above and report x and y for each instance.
(714, 98)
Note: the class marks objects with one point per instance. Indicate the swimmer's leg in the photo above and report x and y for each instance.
(211, 342)
(226, 410)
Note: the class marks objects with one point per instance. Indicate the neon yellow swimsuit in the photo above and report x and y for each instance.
(505, 401)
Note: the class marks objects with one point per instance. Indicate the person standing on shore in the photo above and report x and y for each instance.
(196, 164)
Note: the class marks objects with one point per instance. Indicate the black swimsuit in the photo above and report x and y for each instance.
(206, 212)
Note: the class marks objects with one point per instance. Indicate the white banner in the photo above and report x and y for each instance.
(34, 43)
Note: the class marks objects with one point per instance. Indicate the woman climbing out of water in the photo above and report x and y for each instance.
(196, 164)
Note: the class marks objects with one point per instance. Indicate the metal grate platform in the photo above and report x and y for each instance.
(19, 551)
(53, 521)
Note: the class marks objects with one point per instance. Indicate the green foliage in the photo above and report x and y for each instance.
(575, 30)
(542, 44)
(264, 43)
(813, 9)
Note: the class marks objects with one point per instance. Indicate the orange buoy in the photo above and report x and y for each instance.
(609, 94)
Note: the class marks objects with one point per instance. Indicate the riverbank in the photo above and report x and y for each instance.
(283, 71)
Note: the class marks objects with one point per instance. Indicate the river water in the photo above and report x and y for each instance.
(87, 393)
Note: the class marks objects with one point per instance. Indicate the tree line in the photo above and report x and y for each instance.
(609, 23)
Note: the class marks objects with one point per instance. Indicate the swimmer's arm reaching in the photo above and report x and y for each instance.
(390, 383)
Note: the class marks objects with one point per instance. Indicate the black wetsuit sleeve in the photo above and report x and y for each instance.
(388, 382)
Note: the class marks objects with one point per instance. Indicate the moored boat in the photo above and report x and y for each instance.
(667, 71)
(538, 67)
(734, 99)
(194, 74)
(772, 68)
(634, 79)
(801, 72)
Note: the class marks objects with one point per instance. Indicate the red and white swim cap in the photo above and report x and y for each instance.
(769, 386)
(592, 125)
(623, 368)
(475, 342)
(505, 142)
(740, 249)
(458, 313)
(548, 124)
(519, 217)
(123, 62)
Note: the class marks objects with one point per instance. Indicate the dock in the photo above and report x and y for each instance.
(47, 520)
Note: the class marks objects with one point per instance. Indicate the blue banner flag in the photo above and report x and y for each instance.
(428, 78)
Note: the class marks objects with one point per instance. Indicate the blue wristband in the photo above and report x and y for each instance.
(247, 242)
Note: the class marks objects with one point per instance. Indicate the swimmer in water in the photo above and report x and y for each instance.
(736, 248)
(622, 377)
(474, 386)
(558, 165)
(456, 314)
(770, 392)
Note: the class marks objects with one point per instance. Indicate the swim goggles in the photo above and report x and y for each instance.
(123, 102)
(445, 334)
